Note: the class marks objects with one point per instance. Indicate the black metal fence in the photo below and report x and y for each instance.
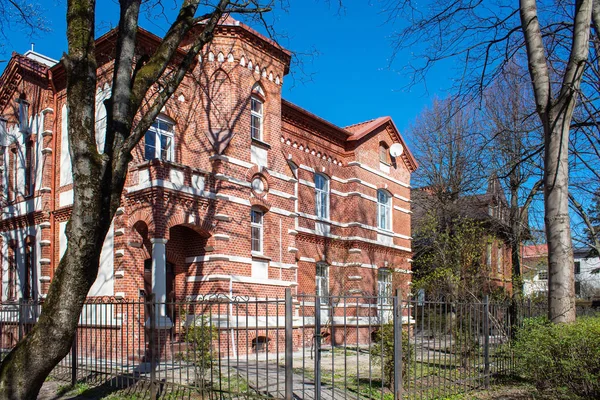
(304, 347)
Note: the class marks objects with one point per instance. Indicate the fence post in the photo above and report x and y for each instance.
(317, 347)
(398, 362)
(289, 343)
(151, 344)
(74, 360)
(21, 319)
(486, 339)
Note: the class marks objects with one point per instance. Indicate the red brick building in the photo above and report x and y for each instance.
(234, 190)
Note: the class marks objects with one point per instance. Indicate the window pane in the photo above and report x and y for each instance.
(256, 106)
(150, 145)
(165, 147)
(255, 127)
(256, 239)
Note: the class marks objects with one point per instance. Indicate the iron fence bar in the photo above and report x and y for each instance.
(21, 319)
(397, 315)
(486, 340)
(289, 321)
(74, 359)
(317, 345)
(152, 307)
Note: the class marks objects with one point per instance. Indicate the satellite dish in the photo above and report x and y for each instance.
(396, 150)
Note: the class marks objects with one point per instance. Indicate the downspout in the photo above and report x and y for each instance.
(53, 177)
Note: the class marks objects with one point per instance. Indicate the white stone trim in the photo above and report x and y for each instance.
(239, 279)
(281, 176)
(222, 217)
(402, 198)
(308, 259)
(403, 271)
(282, 265)
(282, 194)
(221, 236)
(404, 210)
(231, 179)
(354, 223)
(283, 212)
(355, 238)
(378, 173)
(231, 160)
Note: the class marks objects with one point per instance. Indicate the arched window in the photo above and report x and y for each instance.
(384, 153)
(384, 210)
(256, 230)
(158, 142)
(322, 196)
(256, 112)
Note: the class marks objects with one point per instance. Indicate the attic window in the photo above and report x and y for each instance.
(384, 153)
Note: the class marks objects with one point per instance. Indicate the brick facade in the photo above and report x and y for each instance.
(197, 202)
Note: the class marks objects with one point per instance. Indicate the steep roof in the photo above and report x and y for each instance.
(355, 132)
(534, 251)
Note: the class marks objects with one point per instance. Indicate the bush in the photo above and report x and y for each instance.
(383, 350)
(561, 355)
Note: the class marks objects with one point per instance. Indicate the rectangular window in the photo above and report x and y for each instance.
(23, 116)
(256, 228)
(322, 196)
(29, 178)
(322, 282)
(577, 267)
(384, 286)
(256, 118)
(28, 290)
(12, 273)
(488, 256)
(384, 211)
(158, 141)
(577, 288)
(543, 275)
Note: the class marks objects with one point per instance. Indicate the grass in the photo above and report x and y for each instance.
(79, 389)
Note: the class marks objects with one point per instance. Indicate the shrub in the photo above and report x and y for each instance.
(200, 335)
(383, 351)
(561, 355)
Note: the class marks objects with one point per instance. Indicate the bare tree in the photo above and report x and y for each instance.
(555, 39)
(20, 15)
(514, 151)
(99, 179)
(447, 142)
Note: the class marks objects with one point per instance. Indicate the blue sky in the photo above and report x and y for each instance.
(349, 79)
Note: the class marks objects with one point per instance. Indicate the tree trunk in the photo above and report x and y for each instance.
(561, 284)
(24, 370)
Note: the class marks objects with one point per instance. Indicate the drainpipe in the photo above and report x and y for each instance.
(53, 177)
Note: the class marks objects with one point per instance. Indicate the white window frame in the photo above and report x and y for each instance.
(384, 286)
(322, 282)
(256, 115)
(321, 196)
(384, 210)
(158, 133)
(500, 259)
(256, 225)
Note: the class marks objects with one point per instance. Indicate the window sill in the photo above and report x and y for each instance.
(260, 143)
(260, 256)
